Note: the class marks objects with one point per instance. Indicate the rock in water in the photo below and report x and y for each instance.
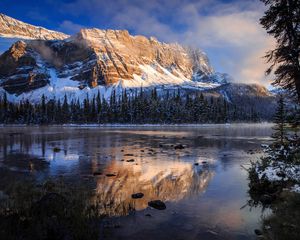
(157, 204)
(178, 147)
(97, 173)
(258, 232)
(128, 155)
(110, 175)
(130, 160)
(137, 195)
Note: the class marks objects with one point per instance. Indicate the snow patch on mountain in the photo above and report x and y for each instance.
(152, 78)
(58, 87)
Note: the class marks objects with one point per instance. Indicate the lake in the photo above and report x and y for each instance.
(203, 182)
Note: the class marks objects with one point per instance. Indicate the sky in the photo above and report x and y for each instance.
(228, 31)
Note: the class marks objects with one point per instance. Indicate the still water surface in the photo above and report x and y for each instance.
(203, 185)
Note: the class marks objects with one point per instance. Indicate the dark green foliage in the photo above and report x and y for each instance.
(280, 132)
(134, 107)
(286, 143)
(283, 224)
(282, 21)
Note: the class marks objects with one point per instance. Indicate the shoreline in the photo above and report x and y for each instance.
(92, 125)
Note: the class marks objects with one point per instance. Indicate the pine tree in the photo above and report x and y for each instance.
(279, 150)
(65, 110)
(98, 106)
(282, 21)
(43, 110)
(93, 114)
(86, 109)
(280, 134)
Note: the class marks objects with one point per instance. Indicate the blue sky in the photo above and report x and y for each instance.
(228, 31)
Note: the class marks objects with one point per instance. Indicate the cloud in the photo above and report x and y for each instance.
(228, 31)
(70, 27)
(236, 41)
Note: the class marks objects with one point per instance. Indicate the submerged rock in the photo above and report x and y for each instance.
(137, 195)
(97, 173)
(258, 232)
(130, 160)
(157, 204)
(128, 155)
(179, 147)
(110, 175)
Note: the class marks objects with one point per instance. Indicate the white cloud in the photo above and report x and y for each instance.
(242, 37)
(70, 27)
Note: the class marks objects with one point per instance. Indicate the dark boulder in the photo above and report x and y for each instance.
(128, 155)
(137, 195)
(258, 232)
(179, 147)
(110, 175)
(157, 204)
(97, 173)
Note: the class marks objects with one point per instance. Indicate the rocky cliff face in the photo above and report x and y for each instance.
(96, 57)
(20, 70)
(11, 27)
(94, 60)
(114, 56)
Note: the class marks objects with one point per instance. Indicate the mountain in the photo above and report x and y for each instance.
(96, 57)
(12, 28)
(54, 65)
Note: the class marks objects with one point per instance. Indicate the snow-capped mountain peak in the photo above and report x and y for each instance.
(94, 60)
(12, 28)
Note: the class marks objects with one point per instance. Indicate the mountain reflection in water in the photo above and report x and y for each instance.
(203, 185)
(167, 181)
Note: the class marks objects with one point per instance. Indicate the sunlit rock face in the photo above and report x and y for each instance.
(166, 181)
(119, 55)
(96, 57)
(10, 27)
(54, 65)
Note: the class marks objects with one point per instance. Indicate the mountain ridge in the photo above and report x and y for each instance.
(95, 57)
(95, 60)
(13, 28)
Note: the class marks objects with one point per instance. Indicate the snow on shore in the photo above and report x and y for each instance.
(280, 171)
